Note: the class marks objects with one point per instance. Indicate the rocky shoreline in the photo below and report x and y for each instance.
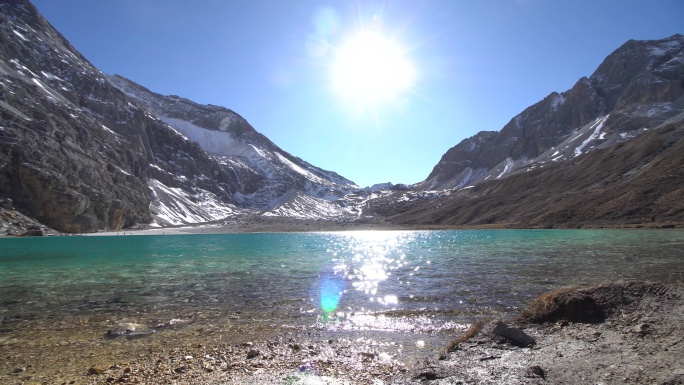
(617, 333)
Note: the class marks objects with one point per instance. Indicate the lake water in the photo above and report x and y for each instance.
(392, 285)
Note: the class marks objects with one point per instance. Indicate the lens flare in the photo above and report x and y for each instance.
(331, 292)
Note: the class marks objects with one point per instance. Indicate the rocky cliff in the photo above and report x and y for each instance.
(636, 88)
(60, 161)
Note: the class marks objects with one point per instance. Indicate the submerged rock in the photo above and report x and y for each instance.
(129, 330)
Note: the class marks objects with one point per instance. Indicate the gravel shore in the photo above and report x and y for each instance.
(619, 333)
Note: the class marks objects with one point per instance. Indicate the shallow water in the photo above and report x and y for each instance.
(401, 286)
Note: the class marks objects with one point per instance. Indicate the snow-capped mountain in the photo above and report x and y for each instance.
(265, 174)
(636, 88)
(78, 154)
(82, 151)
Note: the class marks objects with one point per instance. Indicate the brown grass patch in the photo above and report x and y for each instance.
(546, 304)
(471, 332)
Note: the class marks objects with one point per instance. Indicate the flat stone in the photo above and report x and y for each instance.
(515, 336)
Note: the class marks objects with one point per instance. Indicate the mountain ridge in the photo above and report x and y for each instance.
(636, 74)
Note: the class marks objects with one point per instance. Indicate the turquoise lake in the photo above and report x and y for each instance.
(402, 282)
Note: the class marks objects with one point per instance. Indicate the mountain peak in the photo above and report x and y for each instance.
(637, 86)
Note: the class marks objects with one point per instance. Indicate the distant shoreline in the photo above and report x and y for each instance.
(286, 225)
(289, 225)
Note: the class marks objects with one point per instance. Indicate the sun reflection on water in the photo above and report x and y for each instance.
(364, 261)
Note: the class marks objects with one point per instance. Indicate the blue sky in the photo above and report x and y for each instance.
(476, 64)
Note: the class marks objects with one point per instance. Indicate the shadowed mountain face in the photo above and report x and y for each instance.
(64, 159)
(636, 88)
(78, 154)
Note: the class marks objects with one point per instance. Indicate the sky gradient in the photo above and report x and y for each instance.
(477, 64)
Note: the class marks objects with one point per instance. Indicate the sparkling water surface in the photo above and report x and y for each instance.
(330, 282)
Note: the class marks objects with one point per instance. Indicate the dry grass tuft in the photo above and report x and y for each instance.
(471, 332)
(546, 304)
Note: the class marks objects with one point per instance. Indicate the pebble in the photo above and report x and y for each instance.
(181, 369)
(96, 370)
(535, 371)
(641, 329)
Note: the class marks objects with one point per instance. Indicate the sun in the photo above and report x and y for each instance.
(369, 70)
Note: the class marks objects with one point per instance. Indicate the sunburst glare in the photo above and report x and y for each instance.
(370, 70)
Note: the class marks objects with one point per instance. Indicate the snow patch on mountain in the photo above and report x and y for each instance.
(507, 167)
(508, 163)
(557, 101)
(301, 206)
(597, 126)
(219, 143)
(664, 47)
(21, 36)
(300, 170)
(175, 206)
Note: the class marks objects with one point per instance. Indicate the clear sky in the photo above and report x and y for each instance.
(431, 73)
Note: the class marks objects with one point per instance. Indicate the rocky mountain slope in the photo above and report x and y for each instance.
(60, 161)
(266, 175)
(636, 88)
(608, 152)
(638, 183)
(80, 155)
